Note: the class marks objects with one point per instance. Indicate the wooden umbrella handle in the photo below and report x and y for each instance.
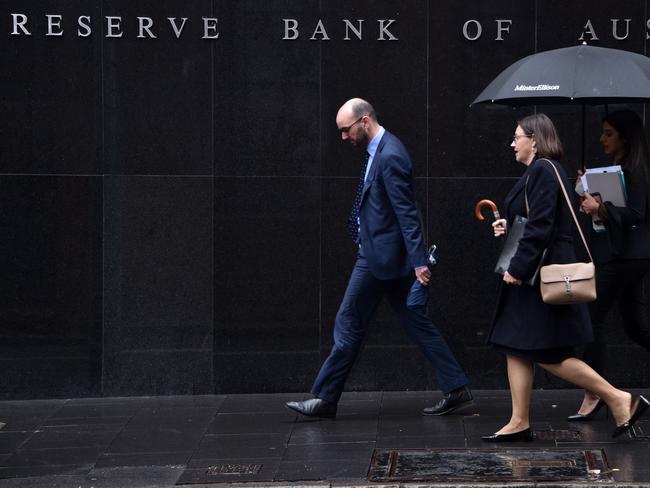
(489, 203)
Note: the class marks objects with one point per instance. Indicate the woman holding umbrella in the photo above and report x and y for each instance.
(525, 328)
(622, 251)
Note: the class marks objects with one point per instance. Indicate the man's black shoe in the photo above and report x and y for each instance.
(454, 400)
(314, 408)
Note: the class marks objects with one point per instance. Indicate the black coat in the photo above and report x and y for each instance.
(627, 234)
(522, 320)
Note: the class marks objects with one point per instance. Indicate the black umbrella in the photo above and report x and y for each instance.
(572, 75)
(579, 74)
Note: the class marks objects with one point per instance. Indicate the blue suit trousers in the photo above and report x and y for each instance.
(360, 301)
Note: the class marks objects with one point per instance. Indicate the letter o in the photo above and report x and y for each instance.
(479, 29)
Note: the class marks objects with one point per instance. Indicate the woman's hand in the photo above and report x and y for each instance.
(500, 227)
(589, 204)
(511, 280)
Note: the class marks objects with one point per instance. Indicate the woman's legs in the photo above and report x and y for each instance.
(520, 378)
(608, 290)
(620, 281)
(633, 307)
(581, 374)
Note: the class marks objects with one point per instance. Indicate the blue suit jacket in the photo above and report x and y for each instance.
(390, 234)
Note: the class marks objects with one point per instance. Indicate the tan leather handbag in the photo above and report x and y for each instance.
(566, 284)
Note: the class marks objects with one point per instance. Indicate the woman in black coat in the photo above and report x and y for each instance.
(621, 249)
(525, 328)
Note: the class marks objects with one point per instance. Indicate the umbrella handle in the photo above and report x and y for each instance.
(486, 203)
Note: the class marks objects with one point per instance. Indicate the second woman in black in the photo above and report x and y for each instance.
(622, 249)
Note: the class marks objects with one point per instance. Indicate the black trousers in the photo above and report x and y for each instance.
(619, 281)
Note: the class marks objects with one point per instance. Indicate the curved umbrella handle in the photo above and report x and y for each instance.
(489, 203)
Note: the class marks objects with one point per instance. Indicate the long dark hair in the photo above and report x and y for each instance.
(636, 160)
(542, 130)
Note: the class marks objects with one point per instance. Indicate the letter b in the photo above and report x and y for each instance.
(290, 30)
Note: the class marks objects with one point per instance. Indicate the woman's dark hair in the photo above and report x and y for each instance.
(636, 158)
(543, 132)
(627, 123)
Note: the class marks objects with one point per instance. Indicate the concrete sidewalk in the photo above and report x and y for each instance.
(208, 440)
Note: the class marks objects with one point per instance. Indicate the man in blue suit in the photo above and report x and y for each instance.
(386, 226)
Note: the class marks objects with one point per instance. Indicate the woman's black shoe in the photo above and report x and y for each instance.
(522, 435)
(642, 405)
(580, 417)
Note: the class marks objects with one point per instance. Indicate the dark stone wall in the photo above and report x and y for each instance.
(172, 210)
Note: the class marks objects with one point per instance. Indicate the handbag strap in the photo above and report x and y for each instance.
(568, 201)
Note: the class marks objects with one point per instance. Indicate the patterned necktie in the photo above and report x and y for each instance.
(353, 219)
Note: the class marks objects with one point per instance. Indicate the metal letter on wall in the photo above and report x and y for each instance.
(615, 29)
(210, 26)
(503, 25)
(588, 29)
(349, 27)
(113, 26)
(383, 29)
(83, 25)
(145, 24)
(20, 24)
(320, 29)
(479, 29)
(177, 30)
(290, 25)
(51, 23)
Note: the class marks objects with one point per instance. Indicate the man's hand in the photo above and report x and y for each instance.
(423, 274)
(511, 280)
(500, 226)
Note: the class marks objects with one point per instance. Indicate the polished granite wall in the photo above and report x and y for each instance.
(173, 209)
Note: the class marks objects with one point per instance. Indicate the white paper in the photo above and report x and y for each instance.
(611, 189)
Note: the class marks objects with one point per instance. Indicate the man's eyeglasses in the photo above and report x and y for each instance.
(516, 137)
(345, 130)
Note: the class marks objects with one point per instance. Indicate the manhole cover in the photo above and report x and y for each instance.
(489, 465)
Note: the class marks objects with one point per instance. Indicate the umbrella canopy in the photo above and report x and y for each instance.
(580, 74)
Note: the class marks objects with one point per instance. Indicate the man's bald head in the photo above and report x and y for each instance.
(357, 107)
(357, 122)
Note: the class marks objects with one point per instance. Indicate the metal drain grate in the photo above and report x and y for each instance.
(234, 469)
(558, 435)
(485, 465)
(221, 473)
(638, 432)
